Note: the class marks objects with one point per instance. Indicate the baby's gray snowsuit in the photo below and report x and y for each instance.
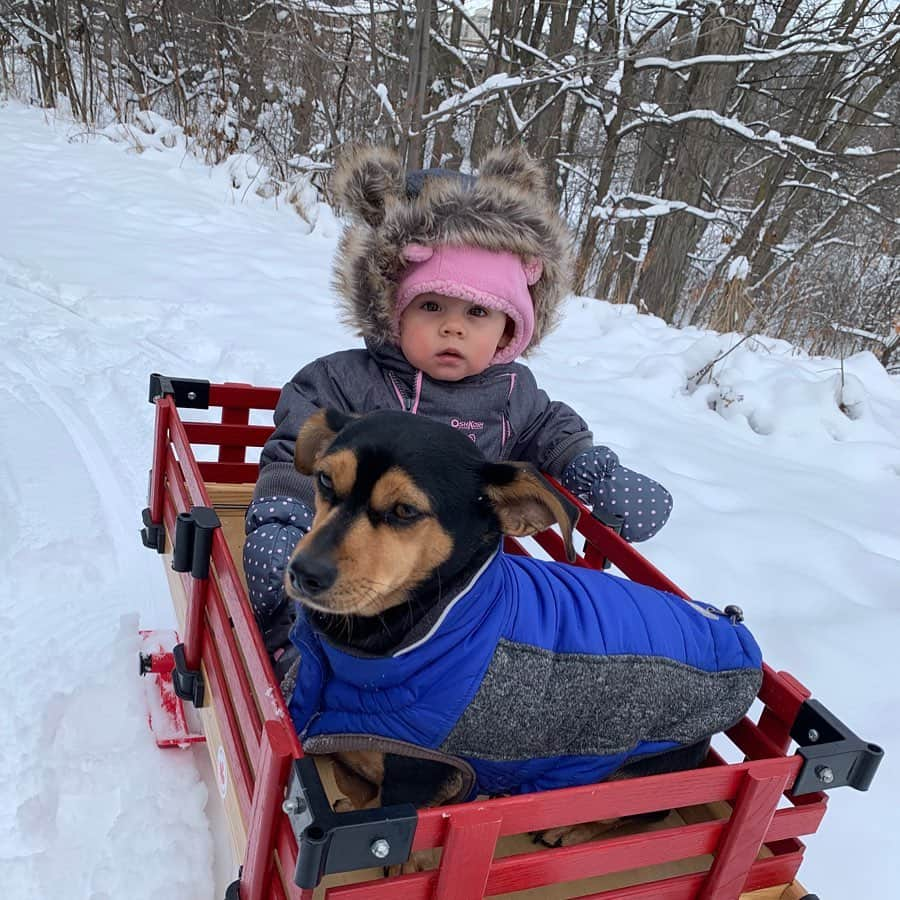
(507, 207)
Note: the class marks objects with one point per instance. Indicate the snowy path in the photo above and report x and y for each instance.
(111, 266)
(81, 778)
(114, 264)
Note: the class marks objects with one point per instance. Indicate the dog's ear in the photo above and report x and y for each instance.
(317, 433)
(525, 503)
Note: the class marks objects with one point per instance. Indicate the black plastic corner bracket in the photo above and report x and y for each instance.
(833, 756)
(187, 683)
(330, 842)
(192, 546)
(610, 520)
(188, 393)
(613, 522)
(153, 534)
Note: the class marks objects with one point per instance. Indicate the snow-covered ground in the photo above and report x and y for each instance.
(115, 263)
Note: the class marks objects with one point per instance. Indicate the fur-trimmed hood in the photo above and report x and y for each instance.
(506, 208)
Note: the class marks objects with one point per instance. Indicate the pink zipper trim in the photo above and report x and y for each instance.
(397, 390)
(505, 427)
(415, 406)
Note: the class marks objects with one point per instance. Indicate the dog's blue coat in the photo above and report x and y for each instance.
(420, 694)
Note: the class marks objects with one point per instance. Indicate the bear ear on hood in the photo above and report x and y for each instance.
(367, 180)
(514, 166)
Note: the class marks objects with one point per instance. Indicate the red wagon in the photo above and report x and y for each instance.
(735, 828)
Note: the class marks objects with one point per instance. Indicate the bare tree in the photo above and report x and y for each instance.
(734, 164)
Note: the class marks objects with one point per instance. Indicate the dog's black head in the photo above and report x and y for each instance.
(405, 507)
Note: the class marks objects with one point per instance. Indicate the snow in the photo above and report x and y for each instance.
(756, 56)
(382, 92)
(739, 268)
(490, 85)
(116, 262)
(654, 208)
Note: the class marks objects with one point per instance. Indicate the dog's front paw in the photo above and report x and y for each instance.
(569, 835)
(420, 861)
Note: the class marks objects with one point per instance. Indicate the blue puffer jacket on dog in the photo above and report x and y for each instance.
(537, 675)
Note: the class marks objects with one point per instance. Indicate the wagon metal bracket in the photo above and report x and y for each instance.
(188, 393)
(833, 756)
(233, 891)
(192, 552)
(153, 534)
(329, 842)
(613, 522)
(192, 547)
(187, 683)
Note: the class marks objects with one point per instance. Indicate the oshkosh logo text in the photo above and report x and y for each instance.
(467, 425)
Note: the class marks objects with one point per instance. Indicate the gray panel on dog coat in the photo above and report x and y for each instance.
(536, 703)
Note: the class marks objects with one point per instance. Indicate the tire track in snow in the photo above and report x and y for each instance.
(18, 276)
(70, 513)
(82, 381)
(54, 358)
(94, 457)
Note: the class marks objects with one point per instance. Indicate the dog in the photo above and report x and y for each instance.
(434, 667)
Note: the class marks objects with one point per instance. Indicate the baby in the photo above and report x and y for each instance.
(450, 278)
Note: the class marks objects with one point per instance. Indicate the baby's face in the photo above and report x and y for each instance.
(448, 338)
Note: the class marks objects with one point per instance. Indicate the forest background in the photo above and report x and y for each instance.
(732, 165)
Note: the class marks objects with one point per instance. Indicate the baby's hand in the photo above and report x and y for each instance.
(597, 477)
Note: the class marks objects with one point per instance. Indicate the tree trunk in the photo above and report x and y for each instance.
(446, 147)
(588, 245)
(484, 134)
(839, 135)
(617, 277)
(699, 164)
(545, 137)
(130, 56)
(412, 148)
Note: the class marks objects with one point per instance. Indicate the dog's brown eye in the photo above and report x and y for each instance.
(404, 512)
(325, 482)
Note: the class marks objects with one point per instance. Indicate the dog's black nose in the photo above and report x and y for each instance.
(310, 576)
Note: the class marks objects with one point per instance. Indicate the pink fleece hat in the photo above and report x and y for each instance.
(495, 279)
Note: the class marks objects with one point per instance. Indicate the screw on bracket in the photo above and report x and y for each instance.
(293, 806)
(833, 755)
(330, 842)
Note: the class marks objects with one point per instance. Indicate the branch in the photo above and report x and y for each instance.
(653, 115)
(806, 49)
(656, 207)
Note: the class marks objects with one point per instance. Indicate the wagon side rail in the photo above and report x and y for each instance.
(291, 838)
(222, 653)
(749, 844)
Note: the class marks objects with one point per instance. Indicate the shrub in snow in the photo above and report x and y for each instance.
(304, 198)
(247, 174)
(148, 131)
